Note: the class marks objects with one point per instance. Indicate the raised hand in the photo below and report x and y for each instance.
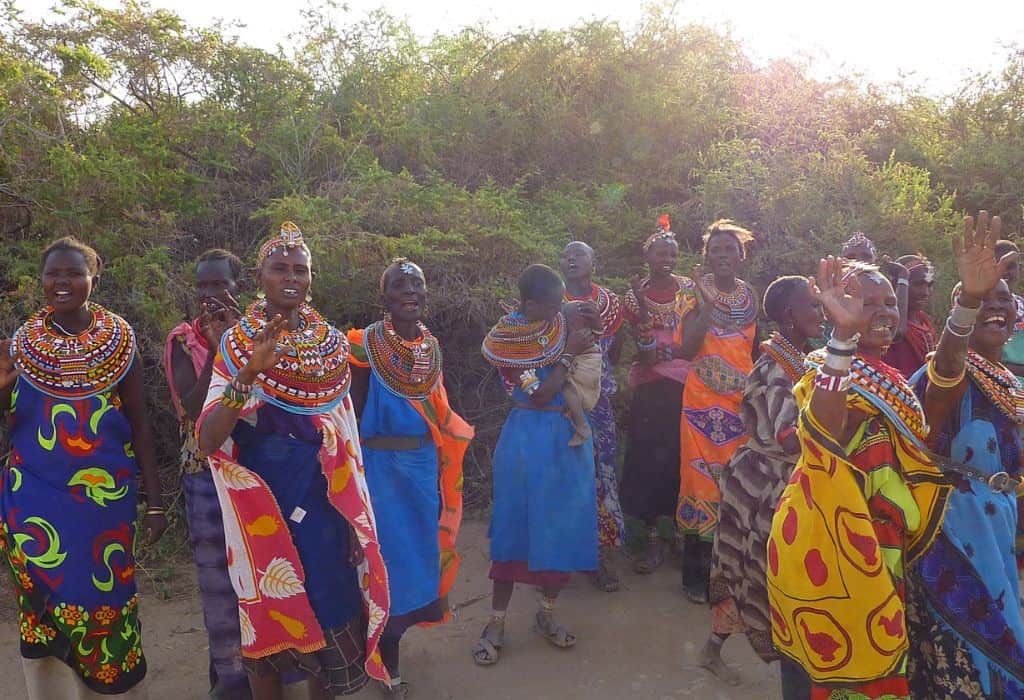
(892, 269)
(265, 349)
(975, 257)
(590, 316)
(216, 318)
(9, 369)
(636, 283)
(840, 297)
(708, 290)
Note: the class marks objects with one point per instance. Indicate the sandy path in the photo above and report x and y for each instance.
(637, 643)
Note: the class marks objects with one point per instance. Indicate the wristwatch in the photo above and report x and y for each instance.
(566, 361)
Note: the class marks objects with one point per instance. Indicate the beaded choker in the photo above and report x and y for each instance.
(312, 377)
(998, 385)
(663, 313)
(608, 307)
(75, 366)
(518, 343)
(736, 308)
(884, 388)
(409, 369)
(786, 354)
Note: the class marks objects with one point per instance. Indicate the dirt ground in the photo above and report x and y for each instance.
(637, 643)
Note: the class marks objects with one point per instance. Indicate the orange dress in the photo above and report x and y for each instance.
(711, 428)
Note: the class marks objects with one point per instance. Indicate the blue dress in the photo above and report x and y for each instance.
(283, 449)
(545, 496)
(964, 589)
(406, 501)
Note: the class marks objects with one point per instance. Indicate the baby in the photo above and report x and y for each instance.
(583, 388)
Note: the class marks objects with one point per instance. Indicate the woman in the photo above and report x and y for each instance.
(188, 364)
(719, 326)
(413, 445)
(964, 613)
(1013, 353)
(577, 266)
(917, 337)
(544, 522)
(861, 248)
(864, 501)
(79, 433)
(280, 432)
(756, 475)
(650, 474)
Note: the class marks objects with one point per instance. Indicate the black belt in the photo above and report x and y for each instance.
(397, 443)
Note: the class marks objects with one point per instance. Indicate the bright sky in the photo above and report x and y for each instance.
(934, 43)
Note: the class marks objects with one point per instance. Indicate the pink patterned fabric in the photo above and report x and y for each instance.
(263, 562)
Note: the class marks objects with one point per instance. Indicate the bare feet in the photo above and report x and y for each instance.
(710, 658)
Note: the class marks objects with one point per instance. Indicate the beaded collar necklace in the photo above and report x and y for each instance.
(313, 376)
(608, 307)
(75, 366)
(409, 369)
(663, 313)
(518, 343)
(735, 308)
(786, 355)
(998, 385)
(885, 389)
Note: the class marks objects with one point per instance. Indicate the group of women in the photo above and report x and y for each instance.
(322, 475)
(852, 511)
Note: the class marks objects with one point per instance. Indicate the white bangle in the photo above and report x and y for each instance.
(902, 282)
(958, 331)
(963, 316)
(838, 363)
(844, 345)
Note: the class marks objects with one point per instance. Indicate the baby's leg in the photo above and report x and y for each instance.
(577, 416)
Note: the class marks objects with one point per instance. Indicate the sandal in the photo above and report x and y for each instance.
(402, 691)
(606, 579)
(487, 652)
(559, 636)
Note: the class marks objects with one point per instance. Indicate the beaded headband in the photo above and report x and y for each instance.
(855, 268)
(407, 267)
(929, 269)
(288, 237)
(662, 233)
(859, 239)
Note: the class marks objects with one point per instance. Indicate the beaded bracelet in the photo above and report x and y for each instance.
(233, 398)
(941, 382)
(647, 344)
(241, 388)
(831, 382)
